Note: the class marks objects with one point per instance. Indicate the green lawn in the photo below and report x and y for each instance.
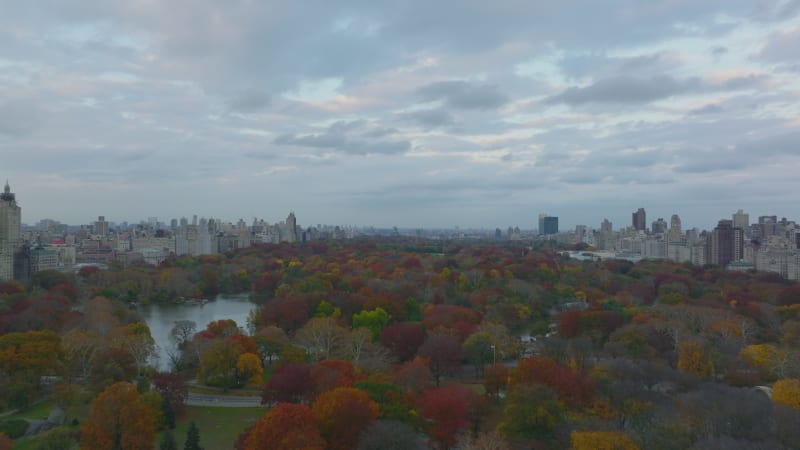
(219, 426)
(38, 411)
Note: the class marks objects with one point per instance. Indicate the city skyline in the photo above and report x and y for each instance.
(410, 115)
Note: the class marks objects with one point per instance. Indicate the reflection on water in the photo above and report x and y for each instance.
(161, 318)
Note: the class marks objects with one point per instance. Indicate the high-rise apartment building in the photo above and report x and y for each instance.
(741, 220)
(659, 226)
(101, 226)
(639, 220)
(10, 240)
(606, 227)
(548, 224)
(725, 244)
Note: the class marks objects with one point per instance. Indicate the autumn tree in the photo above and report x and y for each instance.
(333, 373)
(322, 338)
(573, 389)
(218, 364)
(447, 410)
(271, 341)
(693, 358)
(495, 379)
(602, 440)
(248, 368)
(342, 414)
(532, 411)
(394, 404)
(24, 359)
(173, 388)
(787, 391)
(480, 349)
(285, 427)
(403, 339)
(443, 352)
(118, 420)
(290, 383)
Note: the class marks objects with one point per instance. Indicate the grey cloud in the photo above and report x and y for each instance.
(719, 50)
(775, 11)
(380, 132)
(781, 47)
(711, 108)
(19, 118)
(250, 101)
(429, 118)
(463, 95)
(626, 90)
(326, 140)
(633, 90)
(336, 138)
(599, 65)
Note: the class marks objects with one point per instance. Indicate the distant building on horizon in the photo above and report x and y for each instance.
(10, 239)
(725, 244)
(547, 224)
(639, 220)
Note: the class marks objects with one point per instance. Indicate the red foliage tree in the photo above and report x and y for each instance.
(403, 339)
(333, 373)
(443, 352)
(290, 383)
(447, 408)
(573, 390)
(172, 387)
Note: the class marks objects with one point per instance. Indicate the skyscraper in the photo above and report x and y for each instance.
(548, 224)
(659, 226)
(10, 242)
(725, 245)
(675, 232)
(639, 221)
(742, 220)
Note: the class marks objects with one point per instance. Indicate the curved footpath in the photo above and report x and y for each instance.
(230, 401)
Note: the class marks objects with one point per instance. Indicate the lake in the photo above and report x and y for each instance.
(161, 318)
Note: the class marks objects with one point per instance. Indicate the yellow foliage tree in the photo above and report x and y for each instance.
(692, 358)
(602, 440)
(787, 391)
(248, 367)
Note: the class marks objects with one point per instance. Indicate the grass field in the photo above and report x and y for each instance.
(219, 427)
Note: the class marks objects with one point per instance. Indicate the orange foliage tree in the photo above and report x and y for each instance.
(342, 414)
(118, 420)
(285, 427)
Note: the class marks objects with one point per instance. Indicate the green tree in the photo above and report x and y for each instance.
(168, 441)
(532, 412)
(192, 438)
(480, 349)
(373, 320)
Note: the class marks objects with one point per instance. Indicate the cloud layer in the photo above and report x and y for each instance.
(409, 114)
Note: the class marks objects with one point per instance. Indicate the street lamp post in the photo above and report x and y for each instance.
(494, 354)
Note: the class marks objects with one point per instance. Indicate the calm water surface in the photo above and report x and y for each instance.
(161, 318)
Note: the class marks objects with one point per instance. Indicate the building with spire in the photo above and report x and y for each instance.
(10, 240)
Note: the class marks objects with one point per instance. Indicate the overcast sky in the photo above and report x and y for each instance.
(408, 113)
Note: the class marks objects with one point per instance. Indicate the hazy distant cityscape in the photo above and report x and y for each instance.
(767, 244)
